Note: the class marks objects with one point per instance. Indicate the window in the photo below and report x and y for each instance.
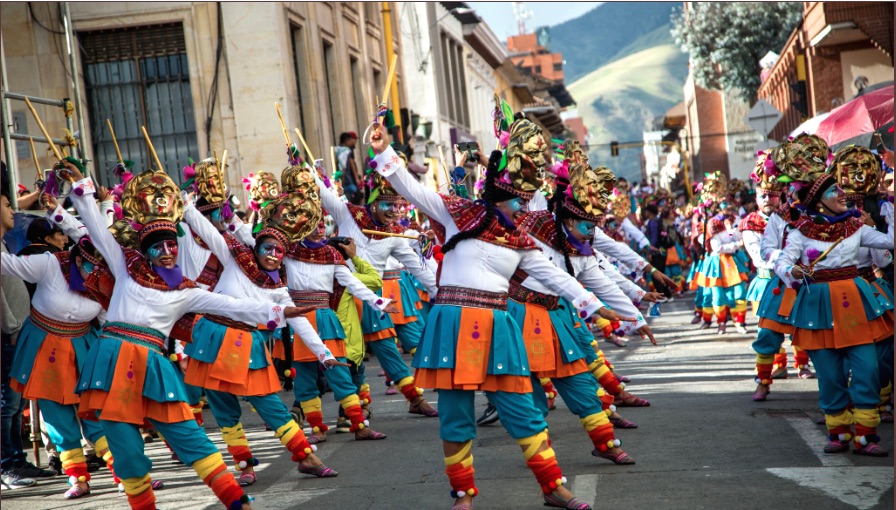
(140, 76)
(558, 66)
(300, 65)
(331, 79)
(537, 69)
(454, 81)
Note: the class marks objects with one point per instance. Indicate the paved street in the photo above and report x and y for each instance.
(702, 444)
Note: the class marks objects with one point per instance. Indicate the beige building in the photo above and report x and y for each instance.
(201, 76)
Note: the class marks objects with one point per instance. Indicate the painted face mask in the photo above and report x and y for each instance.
(585, 228)
(161, 249)
(151, 196)
(88, 267)
(858, 171)
(210, 180)
(271, 248)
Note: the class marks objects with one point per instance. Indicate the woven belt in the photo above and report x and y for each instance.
(392, 274)
(229, 323)
(521, 294)
(832, 275)
(138, 335)
(460, 296)
(764, 273)
(59, 328)
(867, 273)
(307, 298)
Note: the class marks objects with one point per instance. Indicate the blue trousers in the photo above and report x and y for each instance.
(227, 412)
(457, 417)
(767, 342)
(410, 334)
(187, 439)
(387, 354)
(885, 361)
(834, 387)
(579, 392)
(12, 452)
(305, 385)
(63, 428)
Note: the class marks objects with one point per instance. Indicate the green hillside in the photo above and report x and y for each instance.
(637, 76)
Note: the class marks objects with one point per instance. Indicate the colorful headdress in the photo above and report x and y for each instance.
(802, 159)
(295, 215)
(621, 206)
(857, 170)
(299, 178)
(765, 174)
(125, 235)
(152, 196)
(262, 187)
(523, 164)
(714, 188)
(210, 181)
(378, 187)
(584, 198)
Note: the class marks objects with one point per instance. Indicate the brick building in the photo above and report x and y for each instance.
(836, 44)
(534, 58)
(705, 142)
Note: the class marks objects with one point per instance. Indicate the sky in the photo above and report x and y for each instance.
(499, 15)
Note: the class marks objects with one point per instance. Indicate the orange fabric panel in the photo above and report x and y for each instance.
(232, 363)
(474, 342)
(263, 381)
(443, 378)
(785, 329)
(392, 290)
(540, 339)
(55, 373)
(787, 302)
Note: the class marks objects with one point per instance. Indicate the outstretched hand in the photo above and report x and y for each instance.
(645, 332)
(330, 363)
(71, 170)
(379, 139)
(611, 315)
(391, 308)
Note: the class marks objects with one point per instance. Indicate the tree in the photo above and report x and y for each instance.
(725, 41)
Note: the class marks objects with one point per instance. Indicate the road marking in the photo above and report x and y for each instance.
(585, 488)
(857, 486)
(815, 439)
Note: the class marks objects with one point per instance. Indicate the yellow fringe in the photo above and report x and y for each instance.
(136, 485)
(206, 465)
(234, 436)
(461, 455)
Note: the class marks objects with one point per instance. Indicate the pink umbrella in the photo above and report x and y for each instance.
(863, 114)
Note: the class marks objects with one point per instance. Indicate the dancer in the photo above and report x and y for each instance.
(126, 379)
(471, 342)
(837, 317)
(229, 367)
(771, 358)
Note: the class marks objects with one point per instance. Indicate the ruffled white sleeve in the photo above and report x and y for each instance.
(536, 265)
(69, 225)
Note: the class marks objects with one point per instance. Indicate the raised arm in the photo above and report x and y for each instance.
(872, 238)
(333, 204)
(95, 222)
(243, 310)
(31, 268)
(206, 231)
(613, 248)
(358, 289)
(390, 166)
(69, 225)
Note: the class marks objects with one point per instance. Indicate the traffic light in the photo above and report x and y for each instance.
(614, 148)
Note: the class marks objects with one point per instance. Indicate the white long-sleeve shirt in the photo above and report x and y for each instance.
(633, 233)
(843, 255)
(725, 241)
(53, 296)
(234, 282)
(376, 251)
(476, 264)
(753, 245)
(73, 228)
(135, 304)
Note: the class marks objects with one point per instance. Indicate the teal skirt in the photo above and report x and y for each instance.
(208, 337)
(28, 346)
(563, 320)
(373, 320)
(415, 286)
(757, 288)
(812, 308)
(438, 348)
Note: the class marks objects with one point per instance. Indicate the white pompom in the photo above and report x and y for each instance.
(612, 408)
(617, 442)
(843, 437)
(460, 494)
(243, 464)
(622, 385)
(366, 423)
(563, 479)
(863, 441)
(314, 448)
(120, 487)
(72, 480)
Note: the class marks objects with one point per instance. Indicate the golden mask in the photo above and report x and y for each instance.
(802, 159)
(606, 182)
(526, 161)
(296, 214)
(210, 181)
(761, 177)
(572, 152)
(857, 170)
(587, 190)
(152, 196)
(299, 179)
(621, 205)
(125, 234)
(264, 187)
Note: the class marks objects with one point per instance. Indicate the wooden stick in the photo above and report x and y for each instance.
(825, 253)
(387, 234)
(223, 163)
(215, 155)
(282, 124)
(391, 76)
(333, 157)
(445, 165)
(305, 145)
(34, 155)
(152, 149)
(44, 130)
(115, 141)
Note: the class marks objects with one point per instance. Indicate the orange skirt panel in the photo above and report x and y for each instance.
(444, 379)
(54, 374)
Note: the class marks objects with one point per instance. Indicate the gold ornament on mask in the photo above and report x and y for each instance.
(857, 170)
(715, 187)
(210, 181)
(264, 187)
(572, 152)
(526, 161)
(586, 191)
(802, 159)
(152, 196)
(295, 214)
(763, 179)
(125, 234)
(299, 179)
(621, 206)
